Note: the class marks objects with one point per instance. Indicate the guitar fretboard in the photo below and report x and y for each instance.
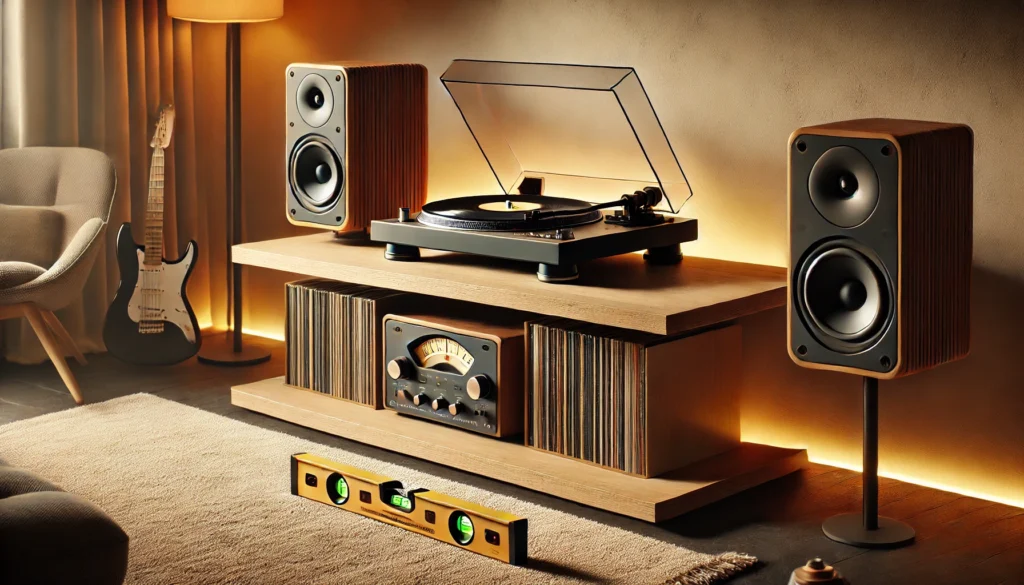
(152, 320)
(154, 240)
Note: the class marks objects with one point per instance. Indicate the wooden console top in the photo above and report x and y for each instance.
(622, 291)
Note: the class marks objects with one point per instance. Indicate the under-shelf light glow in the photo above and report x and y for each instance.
(1019, 503)
(849, 458)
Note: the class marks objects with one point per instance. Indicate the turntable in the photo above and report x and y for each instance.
(584, 167)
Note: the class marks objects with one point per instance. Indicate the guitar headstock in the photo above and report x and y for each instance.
(164, 128)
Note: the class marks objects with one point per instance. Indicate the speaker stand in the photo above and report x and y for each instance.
(868, 529)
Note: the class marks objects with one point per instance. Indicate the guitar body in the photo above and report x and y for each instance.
(180, 338)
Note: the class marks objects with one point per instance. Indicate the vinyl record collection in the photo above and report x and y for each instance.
(586, 396)
(333, 338)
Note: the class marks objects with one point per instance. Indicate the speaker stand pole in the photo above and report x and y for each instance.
(869, 530)
(229, 350)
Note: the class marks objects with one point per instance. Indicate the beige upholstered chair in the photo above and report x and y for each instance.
(54, 205)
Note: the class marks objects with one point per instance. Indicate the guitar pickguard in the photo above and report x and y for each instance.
(172, 306)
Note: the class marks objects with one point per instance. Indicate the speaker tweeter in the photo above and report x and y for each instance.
(843, 186)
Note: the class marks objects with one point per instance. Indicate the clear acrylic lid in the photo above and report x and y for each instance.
(590, 132)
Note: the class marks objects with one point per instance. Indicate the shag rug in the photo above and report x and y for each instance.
(206, 499)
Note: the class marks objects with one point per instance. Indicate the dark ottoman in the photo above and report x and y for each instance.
(48, 536)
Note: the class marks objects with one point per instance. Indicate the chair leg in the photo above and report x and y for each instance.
(63, 336)
(54, 350)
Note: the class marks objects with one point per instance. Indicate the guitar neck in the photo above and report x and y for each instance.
(154, 241)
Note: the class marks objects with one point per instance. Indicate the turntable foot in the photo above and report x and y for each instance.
(401, 252)
(664, 255)
(556, 273)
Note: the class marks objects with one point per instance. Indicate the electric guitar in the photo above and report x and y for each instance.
(150, 321)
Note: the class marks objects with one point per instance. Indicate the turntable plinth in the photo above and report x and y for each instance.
(620, 291)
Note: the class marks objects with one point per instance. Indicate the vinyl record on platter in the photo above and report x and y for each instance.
(506, 213)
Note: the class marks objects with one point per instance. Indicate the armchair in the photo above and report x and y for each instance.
(54, 206)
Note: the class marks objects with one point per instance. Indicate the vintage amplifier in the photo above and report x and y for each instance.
(463, 372)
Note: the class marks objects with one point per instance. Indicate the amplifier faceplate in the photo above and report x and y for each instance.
(460, 373)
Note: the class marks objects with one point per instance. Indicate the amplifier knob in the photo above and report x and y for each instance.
(478, 386)
(400, 369)
(439, 403)
(456, 408)
(420, 399)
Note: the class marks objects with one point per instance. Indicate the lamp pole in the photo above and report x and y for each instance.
(230, 351)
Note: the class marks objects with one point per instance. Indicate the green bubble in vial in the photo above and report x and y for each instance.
(342, 488)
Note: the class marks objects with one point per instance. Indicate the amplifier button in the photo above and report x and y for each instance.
(420, 399)
(478, 386)
(456, 408)
(400, 368)
(439, 403)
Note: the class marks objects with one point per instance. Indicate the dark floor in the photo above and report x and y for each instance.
(961, 540)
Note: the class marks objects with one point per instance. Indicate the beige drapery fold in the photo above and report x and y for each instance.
(94, 73)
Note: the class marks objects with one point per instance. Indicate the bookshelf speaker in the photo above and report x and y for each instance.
(880, 216)
(356, 143)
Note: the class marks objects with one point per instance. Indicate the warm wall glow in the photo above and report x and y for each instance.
(226, 10)
(264, 334)
(209, 329)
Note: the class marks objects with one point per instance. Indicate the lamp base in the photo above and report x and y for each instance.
(849, 529)
(220, 351)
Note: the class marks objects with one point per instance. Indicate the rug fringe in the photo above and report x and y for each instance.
(720, 568)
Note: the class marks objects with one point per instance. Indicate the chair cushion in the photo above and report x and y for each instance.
(14, 273)
(31, 234)
(58, 538)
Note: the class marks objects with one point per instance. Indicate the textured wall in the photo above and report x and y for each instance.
(730, 81)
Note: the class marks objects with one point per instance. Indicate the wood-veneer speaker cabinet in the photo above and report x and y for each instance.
(637, 403)
(356, 143)
(880, 216)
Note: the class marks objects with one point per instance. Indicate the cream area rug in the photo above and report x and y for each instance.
(206, 500)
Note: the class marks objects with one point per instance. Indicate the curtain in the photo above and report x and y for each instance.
(94, 73)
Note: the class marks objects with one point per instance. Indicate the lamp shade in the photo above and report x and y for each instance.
(226, 10)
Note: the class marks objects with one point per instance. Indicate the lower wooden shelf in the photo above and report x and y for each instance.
(653, 500)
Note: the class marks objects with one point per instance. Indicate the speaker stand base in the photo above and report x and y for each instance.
(220, 351)
(868, 529)
(849, 529)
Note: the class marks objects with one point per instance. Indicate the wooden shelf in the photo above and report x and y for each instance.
(653, 500)
(622, 291)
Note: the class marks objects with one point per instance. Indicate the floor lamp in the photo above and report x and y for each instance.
(229, 350)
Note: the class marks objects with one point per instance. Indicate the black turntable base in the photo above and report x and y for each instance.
(556, 233)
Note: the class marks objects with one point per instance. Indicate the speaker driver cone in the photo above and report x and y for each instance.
(844, 296)
(314, 100)
(315, 174)
(843, 186)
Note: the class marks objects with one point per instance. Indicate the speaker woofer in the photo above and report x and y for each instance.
(315, 100)
(844, 296)
(316, 175)
(843, 186)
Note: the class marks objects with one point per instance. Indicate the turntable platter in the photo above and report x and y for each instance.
(506, 213)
